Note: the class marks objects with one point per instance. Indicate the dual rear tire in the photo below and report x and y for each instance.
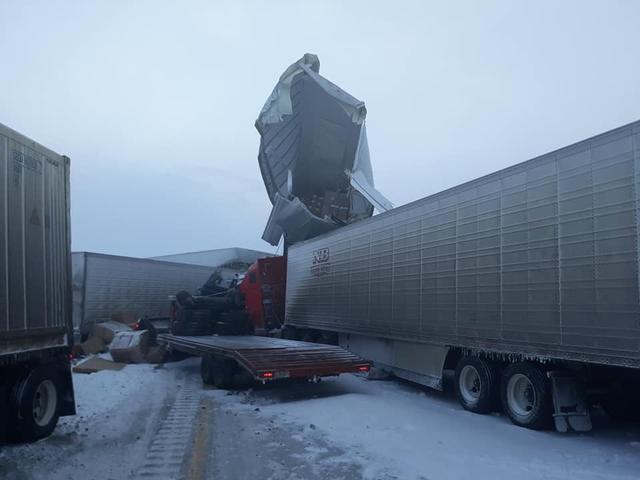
(526, 396)
(31, 404)
(523, 391)
(476, 384)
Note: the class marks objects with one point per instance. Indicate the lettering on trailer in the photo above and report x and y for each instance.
(320, 264)
(21, 161)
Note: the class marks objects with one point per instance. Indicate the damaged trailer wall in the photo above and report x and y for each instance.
(108, 285)
(539, 259)
(314, 156)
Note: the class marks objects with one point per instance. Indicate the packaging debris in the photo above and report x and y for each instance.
(156, 354)
(108, 330)
(125, 317)
(131, 346)
(93, 344)
(97, 364)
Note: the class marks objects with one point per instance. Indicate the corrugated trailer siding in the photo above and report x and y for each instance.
(34, 239)
(540, 258)
(109, 284)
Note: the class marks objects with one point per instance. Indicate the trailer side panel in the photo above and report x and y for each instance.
(104, 285)
(34, 245)
(537, 259)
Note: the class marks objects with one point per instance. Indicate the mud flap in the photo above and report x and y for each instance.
(571, 411)
(67, 397)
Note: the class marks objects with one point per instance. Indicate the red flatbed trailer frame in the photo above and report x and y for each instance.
(267, 358)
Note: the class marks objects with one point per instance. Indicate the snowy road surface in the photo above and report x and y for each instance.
(158, 422)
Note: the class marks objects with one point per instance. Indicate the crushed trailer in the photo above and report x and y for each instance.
(264, 358)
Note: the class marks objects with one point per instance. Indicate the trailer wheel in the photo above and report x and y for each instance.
(525, 395)
(217, 371)
(476, 384)
(36, 402)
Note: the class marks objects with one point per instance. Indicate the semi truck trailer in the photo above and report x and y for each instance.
(108, 286)
(35, 289)
(524, 281)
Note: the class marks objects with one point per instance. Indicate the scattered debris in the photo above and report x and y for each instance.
(130, 347)
(156, 354)
(96, 364)
(125, 317)
(108, 330)
(92, 345)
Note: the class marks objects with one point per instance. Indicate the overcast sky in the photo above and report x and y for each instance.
(155, 101)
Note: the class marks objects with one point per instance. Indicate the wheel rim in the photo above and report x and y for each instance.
(469, 383)
(521, 396)
(45, 402)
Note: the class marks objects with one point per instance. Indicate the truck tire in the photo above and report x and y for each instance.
(525, 395)
(476, 384)
(233, 322)
(193, 323)
(217, 371)
(35, 403)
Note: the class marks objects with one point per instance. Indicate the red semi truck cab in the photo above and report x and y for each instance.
(263, 287)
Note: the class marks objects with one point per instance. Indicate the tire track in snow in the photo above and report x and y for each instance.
(167, 457)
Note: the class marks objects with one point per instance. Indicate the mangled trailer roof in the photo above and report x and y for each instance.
(314, 156)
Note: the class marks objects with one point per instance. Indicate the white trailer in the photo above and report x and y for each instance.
(108, 285)
(35, 288)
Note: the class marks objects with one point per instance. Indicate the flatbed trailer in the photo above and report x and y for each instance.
(264, 358)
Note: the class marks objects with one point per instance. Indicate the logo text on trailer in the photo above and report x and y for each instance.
(320, 264)
(321, 256)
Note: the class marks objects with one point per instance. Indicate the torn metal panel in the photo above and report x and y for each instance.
(292, 216)
(313, 141)
(360, 182)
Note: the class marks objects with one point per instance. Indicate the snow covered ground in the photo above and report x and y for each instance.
(347, 427)
(116, 415)
(392, 429)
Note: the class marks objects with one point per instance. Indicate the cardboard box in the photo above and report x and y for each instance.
(156, 354)
(130, 347)
(96, 364)
(92, 345)
(125, 317)
(107, 330)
